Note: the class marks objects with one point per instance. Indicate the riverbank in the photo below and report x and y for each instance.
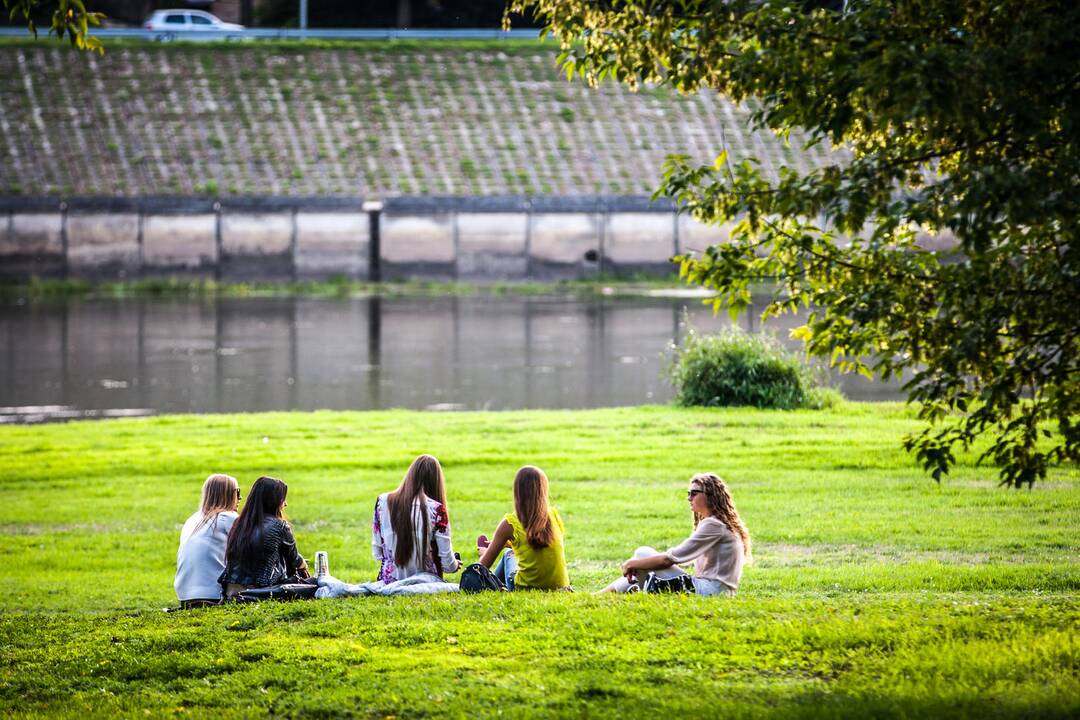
(38, 290)
(298, 161)
(874, 590)
(370, 120)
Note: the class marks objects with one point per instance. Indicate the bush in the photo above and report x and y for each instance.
(736, 368)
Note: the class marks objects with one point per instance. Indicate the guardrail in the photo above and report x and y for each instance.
(297, 34)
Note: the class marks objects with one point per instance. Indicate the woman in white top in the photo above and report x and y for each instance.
(201, 556)
(410, 531)
(719, 545)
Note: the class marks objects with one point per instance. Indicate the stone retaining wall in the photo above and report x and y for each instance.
(482, 239)
(351, 119)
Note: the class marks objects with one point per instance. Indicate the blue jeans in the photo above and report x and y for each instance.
(507, 568)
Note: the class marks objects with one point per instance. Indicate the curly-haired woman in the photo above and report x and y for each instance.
(719, 545)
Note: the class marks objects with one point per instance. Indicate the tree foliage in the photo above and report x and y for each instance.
(69, 19)
(959, 119)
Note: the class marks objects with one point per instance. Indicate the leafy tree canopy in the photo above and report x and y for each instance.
(69, 19)
(961, 120)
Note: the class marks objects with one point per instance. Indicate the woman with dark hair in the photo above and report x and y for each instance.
(261, 551)
(410, 531)
(534, 534)
(719, 545)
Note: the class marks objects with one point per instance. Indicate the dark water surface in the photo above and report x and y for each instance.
(230, 355)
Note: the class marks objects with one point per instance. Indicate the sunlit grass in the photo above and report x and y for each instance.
(874, 591)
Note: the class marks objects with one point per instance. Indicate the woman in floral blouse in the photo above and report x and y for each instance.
(410, 532)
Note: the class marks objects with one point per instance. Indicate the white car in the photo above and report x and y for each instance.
(170, 24)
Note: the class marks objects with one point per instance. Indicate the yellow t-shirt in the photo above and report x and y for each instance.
(543, 568)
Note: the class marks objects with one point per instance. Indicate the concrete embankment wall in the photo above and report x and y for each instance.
(494, 238)
(356, 119)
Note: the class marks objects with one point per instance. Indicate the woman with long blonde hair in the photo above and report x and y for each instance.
(532, 536)
(201, 555)
(410, 531)
(719, 546)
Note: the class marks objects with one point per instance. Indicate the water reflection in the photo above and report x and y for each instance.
(229, 355)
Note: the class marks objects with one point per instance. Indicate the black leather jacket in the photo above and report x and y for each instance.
(272, 560)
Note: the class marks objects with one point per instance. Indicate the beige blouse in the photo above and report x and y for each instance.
(718, 553)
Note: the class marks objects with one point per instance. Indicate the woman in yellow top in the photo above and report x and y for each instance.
(533, 536)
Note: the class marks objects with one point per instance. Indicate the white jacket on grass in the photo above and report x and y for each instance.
(420, 584)
(201, 557)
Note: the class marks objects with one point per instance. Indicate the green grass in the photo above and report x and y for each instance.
(602, 284)
(875, 592)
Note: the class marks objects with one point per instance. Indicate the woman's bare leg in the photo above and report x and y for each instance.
(623, 585)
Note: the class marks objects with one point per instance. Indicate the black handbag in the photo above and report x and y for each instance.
(303, 590)
(478, 578)
(679, 584)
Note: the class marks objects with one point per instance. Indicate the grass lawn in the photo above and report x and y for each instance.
(875, 592)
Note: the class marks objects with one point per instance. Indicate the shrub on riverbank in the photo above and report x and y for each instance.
(735, 368)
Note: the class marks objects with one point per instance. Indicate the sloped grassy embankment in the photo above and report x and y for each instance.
(374, 119)
(874, 592)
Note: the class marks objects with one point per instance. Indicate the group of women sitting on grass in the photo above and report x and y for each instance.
(224, 552)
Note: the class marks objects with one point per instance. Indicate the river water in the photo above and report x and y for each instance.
(131, 356)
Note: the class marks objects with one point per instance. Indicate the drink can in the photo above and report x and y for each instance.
(322, 564)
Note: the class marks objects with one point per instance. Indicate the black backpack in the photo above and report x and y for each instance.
(477, 578)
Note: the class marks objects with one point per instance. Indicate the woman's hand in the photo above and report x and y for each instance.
(631, 567)
(490, 553)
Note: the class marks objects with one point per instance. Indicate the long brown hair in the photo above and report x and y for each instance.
(218, 493)
(722, 507)
(264, 499)
(531, 506)
(424, 479)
